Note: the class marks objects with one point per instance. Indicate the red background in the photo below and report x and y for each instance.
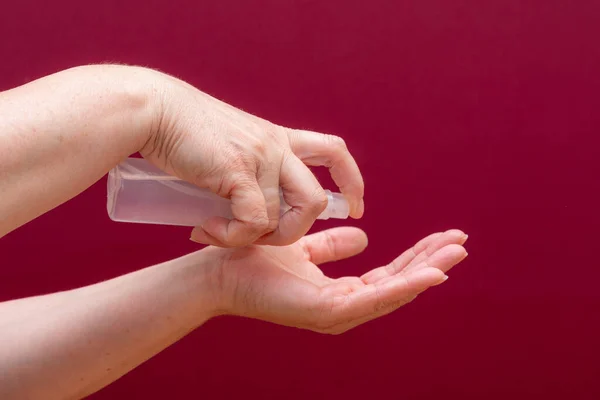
(480, 115)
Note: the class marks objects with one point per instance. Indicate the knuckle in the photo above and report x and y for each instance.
(240, 160)
(259, 146)
(291, 135)
(336, 142)
(330, 243)
(244, 181)
(275, 132)
(273, 208)
(318, 201)
(272, 135)
(234, 156)
(259, 221)
(273, 222)
(270, 165)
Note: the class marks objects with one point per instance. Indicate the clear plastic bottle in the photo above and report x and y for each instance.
(141, 193)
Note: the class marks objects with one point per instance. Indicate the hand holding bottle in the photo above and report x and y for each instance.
(247, 160)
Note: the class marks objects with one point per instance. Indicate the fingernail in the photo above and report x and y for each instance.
(465, 238)
(442, 280)
(194, 236)
(361, 207)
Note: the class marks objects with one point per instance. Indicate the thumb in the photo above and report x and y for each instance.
(250, 219)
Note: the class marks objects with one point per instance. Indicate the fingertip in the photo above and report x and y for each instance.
(459, 235)
(230, 233)
(359, 210)
(355, 237)
(442, 280)
(446, 258)
(214, 226)
(364, 237)
(457, 250)
(198, 235)
(426, 277)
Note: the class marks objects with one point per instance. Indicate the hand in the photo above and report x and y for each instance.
(284, 285)
(247, 159)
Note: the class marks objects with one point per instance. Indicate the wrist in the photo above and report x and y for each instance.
(131, 96)
(194, 285)
(150, 87)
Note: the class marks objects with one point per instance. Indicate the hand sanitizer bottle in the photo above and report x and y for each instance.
(139, 192)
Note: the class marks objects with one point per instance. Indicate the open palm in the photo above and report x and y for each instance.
(284, 285)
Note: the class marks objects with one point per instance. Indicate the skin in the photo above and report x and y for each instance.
(62, 133)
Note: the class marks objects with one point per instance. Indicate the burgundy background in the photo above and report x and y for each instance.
(480, 115)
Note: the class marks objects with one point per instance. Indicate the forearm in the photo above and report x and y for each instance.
(70, 344)
(61, 133)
